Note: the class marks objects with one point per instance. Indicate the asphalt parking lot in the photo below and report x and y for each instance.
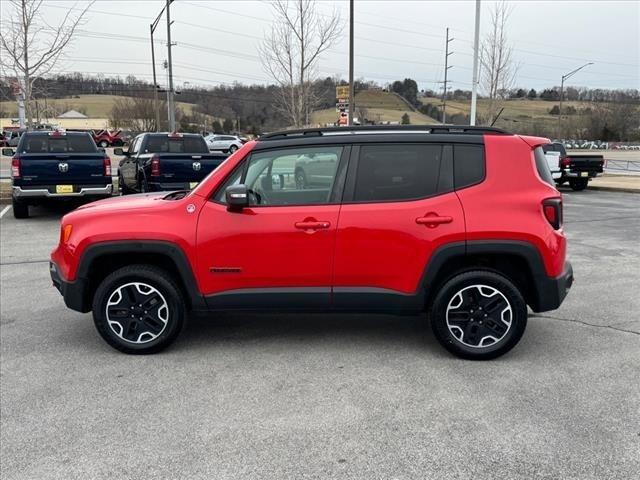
(358, 397)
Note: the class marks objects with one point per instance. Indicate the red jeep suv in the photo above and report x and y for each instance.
(463, 224)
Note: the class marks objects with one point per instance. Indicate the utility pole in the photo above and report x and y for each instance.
(156, 104)
(446, 70)
(476, 73)
(172, 110)
(352, 102)
(564, 77)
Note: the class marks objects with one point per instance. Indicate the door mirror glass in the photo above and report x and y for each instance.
(118, 151)
(8, 152)
(237, 197)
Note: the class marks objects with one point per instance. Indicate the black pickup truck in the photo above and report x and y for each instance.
(57, 165)
(577, 169)
(165, 161)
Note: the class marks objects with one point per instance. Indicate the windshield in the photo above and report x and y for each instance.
(61, 144)
(165, 144)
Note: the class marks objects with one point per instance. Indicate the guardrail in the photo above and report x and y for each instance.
(623, 165)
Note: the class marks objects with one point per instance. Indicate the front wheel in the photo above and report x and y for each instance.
(478, 315)
(138, 309)
(578, 184)
(104, 144)
(233, 148)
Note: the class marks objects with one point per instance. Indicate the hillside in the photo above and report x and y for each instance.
(94, 106)
(379, 106)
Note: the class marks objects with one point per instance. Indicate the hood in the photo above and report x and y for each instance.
(127, 202)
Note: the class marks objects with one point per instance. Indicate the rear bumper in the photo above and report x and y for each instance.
(73, 293)
(552, 291)
(19, 192)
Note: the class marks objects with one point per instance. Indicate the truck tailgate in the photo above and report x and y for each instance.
(68, 169)
(586, 163)
(186, 167)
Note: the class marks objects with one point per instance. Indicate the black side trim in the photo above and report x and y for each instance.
(372, 299)
(72, 292)
(173, 252)
(286, 298)
(548, 292)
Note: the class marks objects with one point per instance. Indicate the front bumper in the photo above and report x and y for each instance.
(19, 192)
(73, 293)
(552, 291)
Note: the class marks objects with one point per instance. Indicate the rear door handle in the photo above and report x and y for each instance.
(312, 225)
(432, 220)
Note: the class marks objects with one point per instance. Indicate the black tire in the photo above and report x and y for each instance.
(164, 296)
(578, 184)
(300, 179)
(20, 209)
(124, 190)
(478, 322)
(104, 144)
(233, 148)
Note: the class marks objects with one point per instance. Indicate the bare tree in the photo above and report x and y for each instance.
(30, 47)
(496, 58)
(290, 54)
(137, 114)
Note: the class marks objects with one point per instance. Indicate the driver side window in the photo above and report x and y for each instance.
(292, 176)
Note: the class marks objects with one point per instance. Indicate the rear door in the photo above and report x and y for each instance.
(399, 207)
(66, 159)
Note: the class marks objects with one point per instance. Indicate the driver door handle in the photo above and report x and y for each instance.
(312, 225)
(432, 220)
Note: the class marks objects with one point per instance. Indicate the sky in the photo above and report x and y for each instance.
(217, 41)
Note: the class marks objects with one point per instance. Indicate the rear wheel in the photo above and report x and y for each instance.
(233, 148)
(138, 309)
(20, 209)
(578, 184)
(104, 143)
(301, 179)
(478, 315)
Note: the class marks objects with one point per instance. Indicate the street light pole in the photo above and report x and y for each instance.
(172, 111)
(476, 73)
(352, 105)
(564, 77)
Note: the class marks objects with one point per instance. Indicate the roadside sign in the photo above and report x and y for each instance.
(342, 92)
(341, 106)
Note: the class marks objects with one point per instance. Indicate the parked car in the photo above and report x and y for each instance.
(12, 137)
(107, 138)
(165, 161)
(576, 169)
(55, 165)
(224, 143)
(454, 222)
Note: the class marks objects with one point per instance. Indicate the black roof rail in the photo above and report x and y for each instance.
(433, 129)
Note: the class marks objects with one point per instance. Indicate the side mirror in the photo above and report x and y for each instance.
(118, 151)
(8, 152)
(237, 197)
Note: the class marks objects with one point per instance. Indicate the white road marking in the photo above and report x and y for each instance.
(4, 210)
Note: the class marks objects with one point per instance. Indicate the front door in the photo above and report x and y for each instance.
(399, 207)
(278, 252)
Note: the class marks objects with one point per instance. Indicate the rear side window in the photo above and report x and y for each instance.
(543, 166)
(468, 165)
(398, 172)
(61, 144)
(165, 144)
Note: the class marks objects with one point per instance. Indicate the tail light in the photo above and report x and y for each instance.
(106, 163)
(565, 162)
(15, 167)
(155, 166)
(552, 208)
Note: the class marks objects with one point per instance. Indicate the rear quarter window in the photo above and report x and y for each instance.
(468, 165)
(542, 166)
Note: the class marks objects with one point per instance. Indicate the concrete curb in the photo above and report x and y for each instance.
(614, 189)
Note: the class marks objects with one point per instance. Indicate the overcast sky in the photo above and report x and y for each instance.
(218, 40)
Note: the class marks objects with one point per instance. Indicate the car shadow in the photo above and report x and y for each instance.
(409, 332)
